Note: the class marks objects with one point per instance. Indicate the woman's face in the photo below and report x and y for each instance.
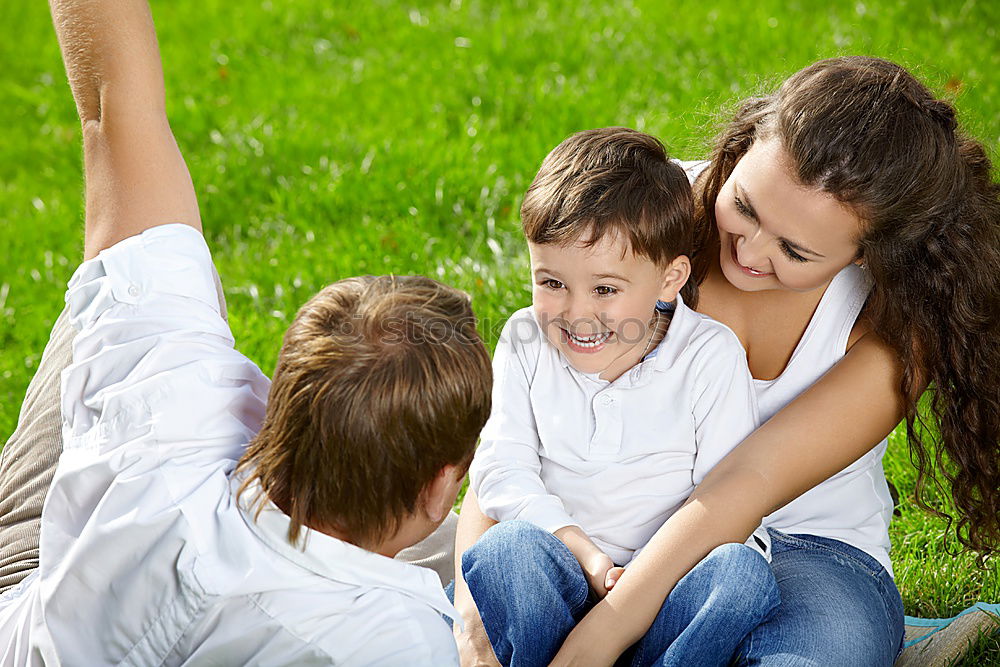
(777, 234)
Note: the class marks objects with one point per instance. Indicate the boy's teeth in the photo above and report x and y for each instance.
(590, 341)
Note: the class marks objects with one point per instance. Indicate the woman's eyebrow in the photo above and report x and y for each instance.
(744, 198)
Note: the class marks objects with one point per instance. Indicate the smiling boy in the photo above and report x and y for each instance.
(612, 399)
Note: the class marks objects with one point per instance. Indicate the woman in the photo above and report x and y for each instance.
(850, 236)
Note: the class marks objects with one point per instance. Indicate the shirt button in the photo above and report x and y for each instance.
(133, 290)
(608, 400)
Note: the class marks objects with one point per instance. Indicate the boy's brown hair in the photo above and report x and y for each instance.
(615, 181)
(380, 383)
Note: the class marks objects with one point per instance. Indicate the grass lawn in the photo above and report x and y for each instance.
(331, 139)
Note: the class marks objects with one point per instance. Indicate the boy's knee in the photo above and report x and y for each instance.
(742, 579)
(507, 544)
(733, 556)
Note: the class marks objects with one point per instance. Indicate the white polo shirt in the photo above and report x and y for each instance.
(146, 556)
(566, 448)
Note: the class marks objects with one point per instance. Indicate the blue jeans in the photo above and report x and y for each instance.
(531, 592)
(838, 607)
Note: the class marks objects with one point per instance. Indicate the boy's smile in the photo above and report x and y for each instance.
(587, 344)
(597, 304)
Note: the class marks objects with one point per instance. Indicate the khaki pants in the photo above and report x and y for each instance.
(28, 463)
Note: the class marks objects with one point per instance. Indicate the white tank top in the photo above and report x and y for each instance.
(853, 506)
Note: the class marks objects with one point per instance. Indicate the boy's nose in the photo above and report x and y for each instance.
(580, 316)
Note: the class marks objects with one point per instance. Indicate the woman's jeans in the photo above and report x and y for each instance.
(838, 607)
(820, 602)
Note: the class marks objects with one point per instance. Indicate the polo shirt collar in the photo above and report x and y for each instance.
(677, 336)
(340, 561)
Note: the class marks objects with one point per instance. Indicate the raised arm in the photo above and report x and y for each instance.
(828, 427)
(135, 175)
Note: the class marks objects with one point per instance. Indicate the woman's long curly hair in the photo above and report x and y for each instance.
(867, 132)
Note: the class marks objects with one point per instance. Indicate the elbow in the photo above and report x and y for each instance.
(87, 95)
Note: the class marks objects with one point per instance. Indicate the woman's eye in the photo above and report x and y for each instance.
(552, 283)
(791, 254)
(605, 290)
(743, 208)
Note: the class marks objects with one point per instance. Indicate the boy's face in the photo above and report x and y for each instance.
(597, 304)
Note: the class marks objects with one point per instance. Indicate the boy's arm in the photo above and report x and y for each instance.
(725, 412)
(724, 407)
(503, 478)
(135, 175)
(505, 472)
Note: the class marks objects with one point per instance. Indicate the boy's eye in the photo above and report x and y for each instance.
(791, 254)
(605, 290)
(551, 283)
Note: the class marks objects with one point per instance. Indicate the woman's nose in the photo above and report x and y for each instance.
(752, 252)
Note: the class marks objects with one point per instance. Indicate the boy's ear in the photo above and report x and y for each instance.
(675, 275)
(439, 495)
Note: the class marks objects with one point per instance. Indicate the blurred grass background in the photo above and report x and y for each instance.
(375, 137)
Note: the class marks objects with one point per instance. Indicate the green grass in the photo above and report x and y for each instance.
(331, 139)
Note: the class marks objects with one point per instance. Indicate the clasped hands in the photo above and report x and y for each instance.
(601, 573)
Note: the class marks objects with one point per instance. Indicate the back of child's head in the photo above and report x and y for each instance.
(611, 181)
(381, 382)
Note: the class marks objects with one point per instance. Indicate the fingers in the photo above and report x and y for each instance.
(612, 577)
(598, 576)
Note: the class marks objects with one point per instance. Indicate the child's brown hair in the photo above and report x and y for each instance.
(380, 383)
(615, 181)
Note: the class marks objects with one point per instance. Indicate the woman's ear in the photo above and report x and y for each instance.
(675, 275)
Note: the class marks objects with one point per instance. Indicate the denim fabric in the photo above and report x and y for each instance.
(838, 607)
(531, 592)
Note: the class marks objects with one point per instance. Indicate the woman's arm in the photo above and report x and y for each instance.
(828, 427)
(474, 648)
(135, 175)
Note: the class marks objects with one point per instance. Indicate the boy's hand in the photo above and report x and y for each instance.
(614, 574)
(596, 568)
(597, 565)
